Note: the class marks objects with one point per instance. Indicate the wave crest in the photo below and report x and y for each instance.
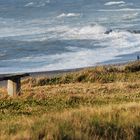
(114, 3)
(37, 4)
(63, 15)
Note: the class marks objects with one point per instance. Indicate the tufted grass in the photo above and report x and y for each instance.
(101, 103)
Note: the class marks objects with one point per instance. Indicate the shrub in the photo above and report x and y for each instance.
(133, 67)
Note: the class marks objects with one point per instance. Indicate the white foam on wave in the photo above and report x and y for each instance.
(62, 32)
(93, 29)
(119, 10)
(38, 30)
(126, 4)
(76, 59)
(114, 3)
(23, 30)
(34, 33)
(15, 32)
(110, 45)
(124, 40)
(84, 32)
(130, 16)
(29, 4)
(63, 15)
(120, 43)
(41, 3)
(117, 43)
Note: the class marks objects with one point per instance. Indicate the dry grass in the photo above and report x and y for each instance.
(108, 122)
(102, 103)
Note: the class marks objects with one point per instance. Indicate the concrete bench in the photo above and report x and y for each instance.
(14, 83)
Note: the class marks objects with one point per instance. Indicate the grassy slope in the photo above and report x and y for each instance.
(96, 103)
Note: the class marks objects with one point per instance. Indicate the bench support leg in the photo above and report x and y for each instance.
(13, 87)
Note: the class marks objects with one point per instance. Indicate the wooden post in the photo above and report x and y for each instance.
(13, 86)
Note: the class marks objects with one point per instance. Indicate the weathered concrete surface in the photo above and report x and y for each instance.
(12, 76)
(13, 87)
(14, 83)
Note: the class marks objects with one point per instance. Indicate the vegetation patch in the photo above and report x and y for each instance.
(96, 103)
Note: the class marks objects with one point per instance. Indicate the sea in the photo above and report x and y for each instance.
(47, 35)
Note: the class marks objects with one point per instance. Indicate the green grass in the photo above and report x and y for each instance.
(101, 103)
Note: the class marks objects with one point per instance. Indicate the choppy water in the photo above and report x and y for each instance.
(41, 35)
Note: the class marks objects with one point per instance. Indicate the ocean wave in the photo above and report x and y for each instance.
(23, 29)
(35, 33)
(77, 59)
(130, 16)
(68, 32)
(117, 43)
(37, 4)
(90, 32)
(61, 32)
(114, 3)
(17, 32)
(29, 4)
(116, 38)
(98, 47)
(126, 4)
(119, 10)
(63, 15)
(2, 54)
